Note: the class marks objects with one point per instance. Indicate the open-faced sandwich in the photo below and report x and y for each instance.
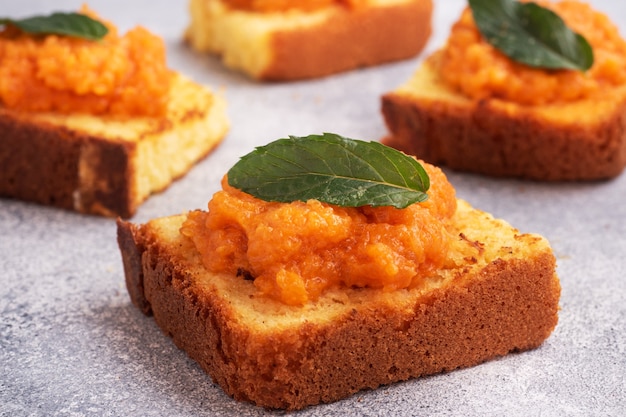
(295, 39)
(327, 265)
(521, 89)
(94, 121)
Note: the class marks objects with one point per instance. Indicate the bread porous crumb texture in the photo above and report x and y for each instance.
(107, 165)
(498, 296)
(295, 44)
(581, 140)
(471, 108)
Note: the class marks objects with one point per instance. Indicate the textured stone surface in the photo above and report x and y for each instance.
(72, 345)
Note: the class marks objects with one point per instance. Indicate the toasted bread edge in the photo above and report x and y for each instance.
(508, 305)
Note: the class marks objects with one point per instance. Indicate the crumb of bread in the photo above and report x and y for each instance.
(297, 44)
(500, 294)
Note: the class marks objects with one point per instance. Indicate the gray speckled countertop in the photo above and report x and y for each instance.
(71, 344)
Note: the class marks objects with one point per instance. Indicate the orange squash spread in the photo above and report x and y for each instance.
(477, 70)
(294, 251)
(265, 6)
(120, 75)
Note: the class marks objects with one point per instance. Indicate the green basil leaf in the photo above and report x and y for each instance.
(531, 34)
(65, 24)
(332, 169)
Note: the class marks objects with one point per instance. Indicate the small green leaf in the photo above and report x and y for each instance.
(531, 34)
(65, 24)
(331, 169)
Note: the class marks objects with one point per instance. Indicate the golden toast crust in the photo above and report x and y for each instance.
(350, 40)
(288, 358)
(41, 164)
(106, 165)
(580, 141)
(326, 43)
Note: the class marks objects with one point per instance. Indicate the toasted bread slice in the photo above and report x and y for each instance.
(295, 44)
(582, 140)
(107, 165)
(497, 293)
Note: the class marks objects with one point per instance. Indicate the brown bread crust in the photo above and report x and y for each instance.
(104, 165)
(349, 40)
(131, 260)
(294, 45)
(41, 164)
(54, 151)
(505, 140)
(508, 305)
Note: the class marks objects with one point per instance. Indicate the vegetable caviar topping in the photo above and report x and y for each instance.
(119, 75)
(265, 6)
(476, 69)
(297, 250)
